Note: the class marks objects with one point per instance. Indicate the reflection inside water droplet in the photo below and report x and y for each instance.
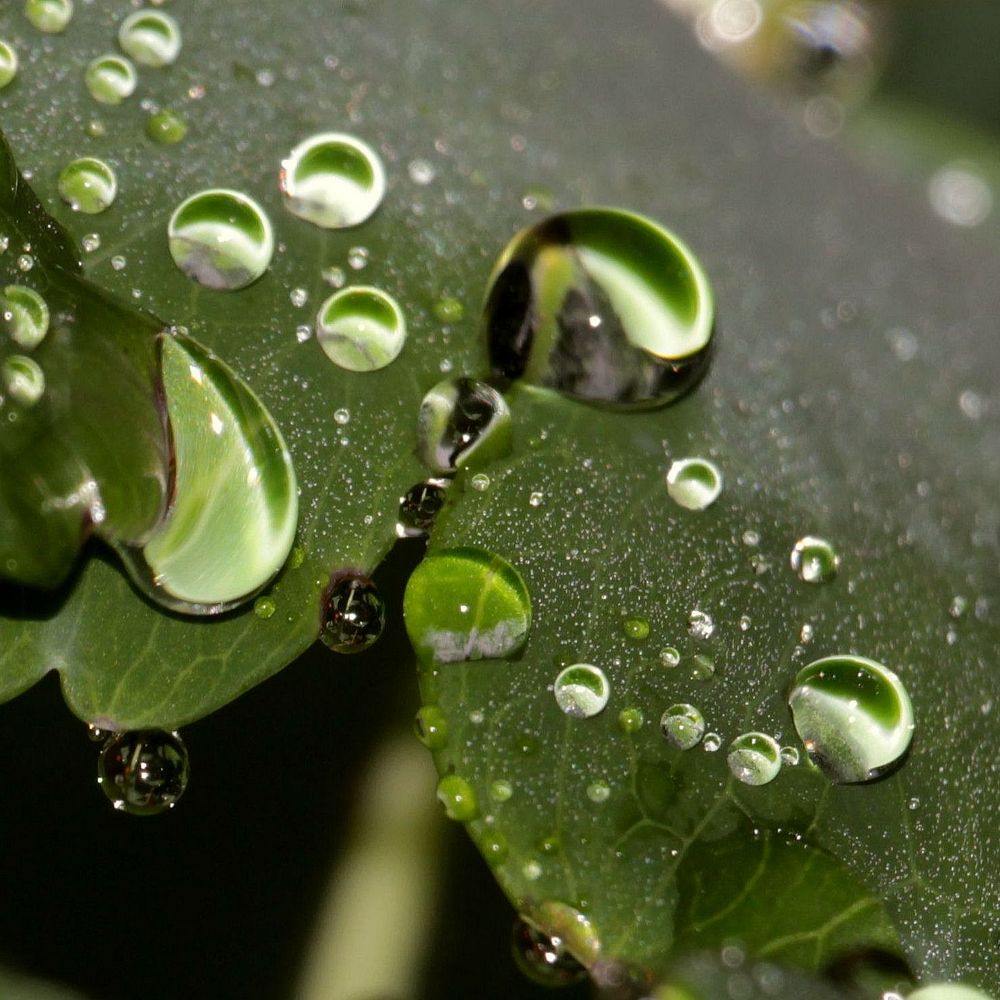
(25, 315)
(419, 508)
(88, 185)
(814, 560)
(353, 614)
(582, 690)
(23, 379)
(683, 725)
(754, 758)
(110, 79)
(50, 16)
(143, 772)
(361, 329)
(694, 483)
(151, 38)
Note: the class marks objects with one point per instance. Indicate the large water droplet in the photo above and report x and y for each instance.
(458, 798)
(582, 690)
(683, 725)
(462, 423)
(361, 328)
(51, 16)
(110, 79)
(88, 185)
(602, 305)
(26, 316)
(754, 758)
(694, 483)
(419, 507)
(8, 64)
(814, 560)
(853, 715)
(23, 379)
(221, 238)
(143, 772)
(150, 37)
(353, 614)
(232, 521)
(431, 727)
(466, 604)
(332, 180)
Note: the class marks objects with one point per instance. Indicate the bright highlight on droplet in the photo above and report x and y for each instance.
(8, 64)
(221, 238)
(582, 690)
(88, 185)
(754, 758)
(143, 772)
(26, 316)
(110, 79)
(166, 127)
(694, 483)
(683, 725)
(151, 38)
(814, 560)
(458, 798)
(50, 16)
(853, 716)
(361, 328)
(23, 379)
(332, 180)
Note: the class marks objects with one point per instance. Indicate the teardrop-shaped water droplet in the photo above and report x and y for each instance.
(88, 185)
(221, 238)
(353, 613)
(166, 127)
(151, 38)
(431, 727)
(458, 798)
(754, 758)
(419, 507)
(466, 604)
(23, 379)
(462, 423)
(332, 180)
(694, 483)
(8, 64)
(110, 79)
(143, 772)
(582, 690)
(543, 960)
(853, 715)
(814, 560)
(50, 16)
(361, 328)
(26, 316)
(234, 511)
(602, 305)
(683, 725)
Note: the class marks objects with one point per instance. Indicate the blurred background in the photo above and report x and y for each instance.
(311, 805)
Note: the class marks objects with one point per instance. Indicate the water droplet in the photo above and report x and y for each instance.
(421, 172)
(462, 423)
(91, 242)
(948, 991)
(419, 507)
(151, 38)
(334, 276)
(751, 538)
(88, 185)
(683, 726)
(332, 180)
(536, 499)
(298, 297)
(50, 16)
(361, 328)
(543, 960)
(754, 758)
(598, 791)
(789, 756)
(494, 847)
(118, 262)
(25, 262)
(8, 63)
(466, 604)
(806, 634)
(357, 258)
(264, 607)
(670, 657)
(702, 667)
(458, 798)
(853, 715)
(480, 482)
(97, 734)
(701, 625)
(449, 310)
(711, 742)
(353, 613)
(960, 194)
(431, 727)
(221, 239)
(23, 379)
(501, 790)
(814, 560)
(110, 79)
(582, 690)
(630, 720)
(694, 483)
(602, 305)
(166, 127)
(143, 772)
(232, 520)
(26, 316)
(635, 628)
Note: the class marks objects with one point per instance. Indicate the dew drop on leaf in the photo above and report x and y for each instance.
(458, 798)
(166, 127)
(88, 185)
(603, 306)
(853, 715)
(353, 615)
(712, 742)
(431, 727)
(110, 79)
(494, 847)
(501, 790)
(361, 329)
(754, 758)
(701, 625)
(814, 560)
(581, 690)
(702, 667)
(8, 63)
(50, 16)
(332, 180)
(449, 310)
(789, 756)
(948, 991)
(636, 628)
(630, 720)
(683, 725)
(143, 772)
(670, 657)
(25, 315)
(543, 960)
(598, 791)
(151, 38)
(23, 379)
(264, 608)
(694, 483)
(419, 507)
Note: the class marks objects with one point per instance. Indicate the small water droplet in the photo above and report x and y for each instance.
(543, 960)
(806, 634)
(110, 79)
(960, 194)
(25, 315)
(745, 623)
(357, 258)
(814, 560)
(143, 772)
(914, 803)
(88, 185)
(501, 790)
(419, 507)
(853, 715)
(494, 847)
(449, 310)
(630, 720)
(97, 734)
(751, 538)
(702, 667)
(701, 625)
(421, 172)
(334, 276)
(458, 798)
(431, 727)
(636, 628)
(221, 238)
(166, 127)
(23, 379)
(151, 38)
(8, 63)
(480, 482)
(298, 297)
(598, 791)
(789, 756)
(711, 742)
(361, 329)
(532, 871)
(332, 180)
(50, 16)
(341, 416)
(670, 657)
(264, 607)
(602, 305)
(694, 483)
(118, 262)
(582, 690)
(91, 242)
(683, 726)
(754, 758)
(25, 262)
(353, 613)
(536, 499)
